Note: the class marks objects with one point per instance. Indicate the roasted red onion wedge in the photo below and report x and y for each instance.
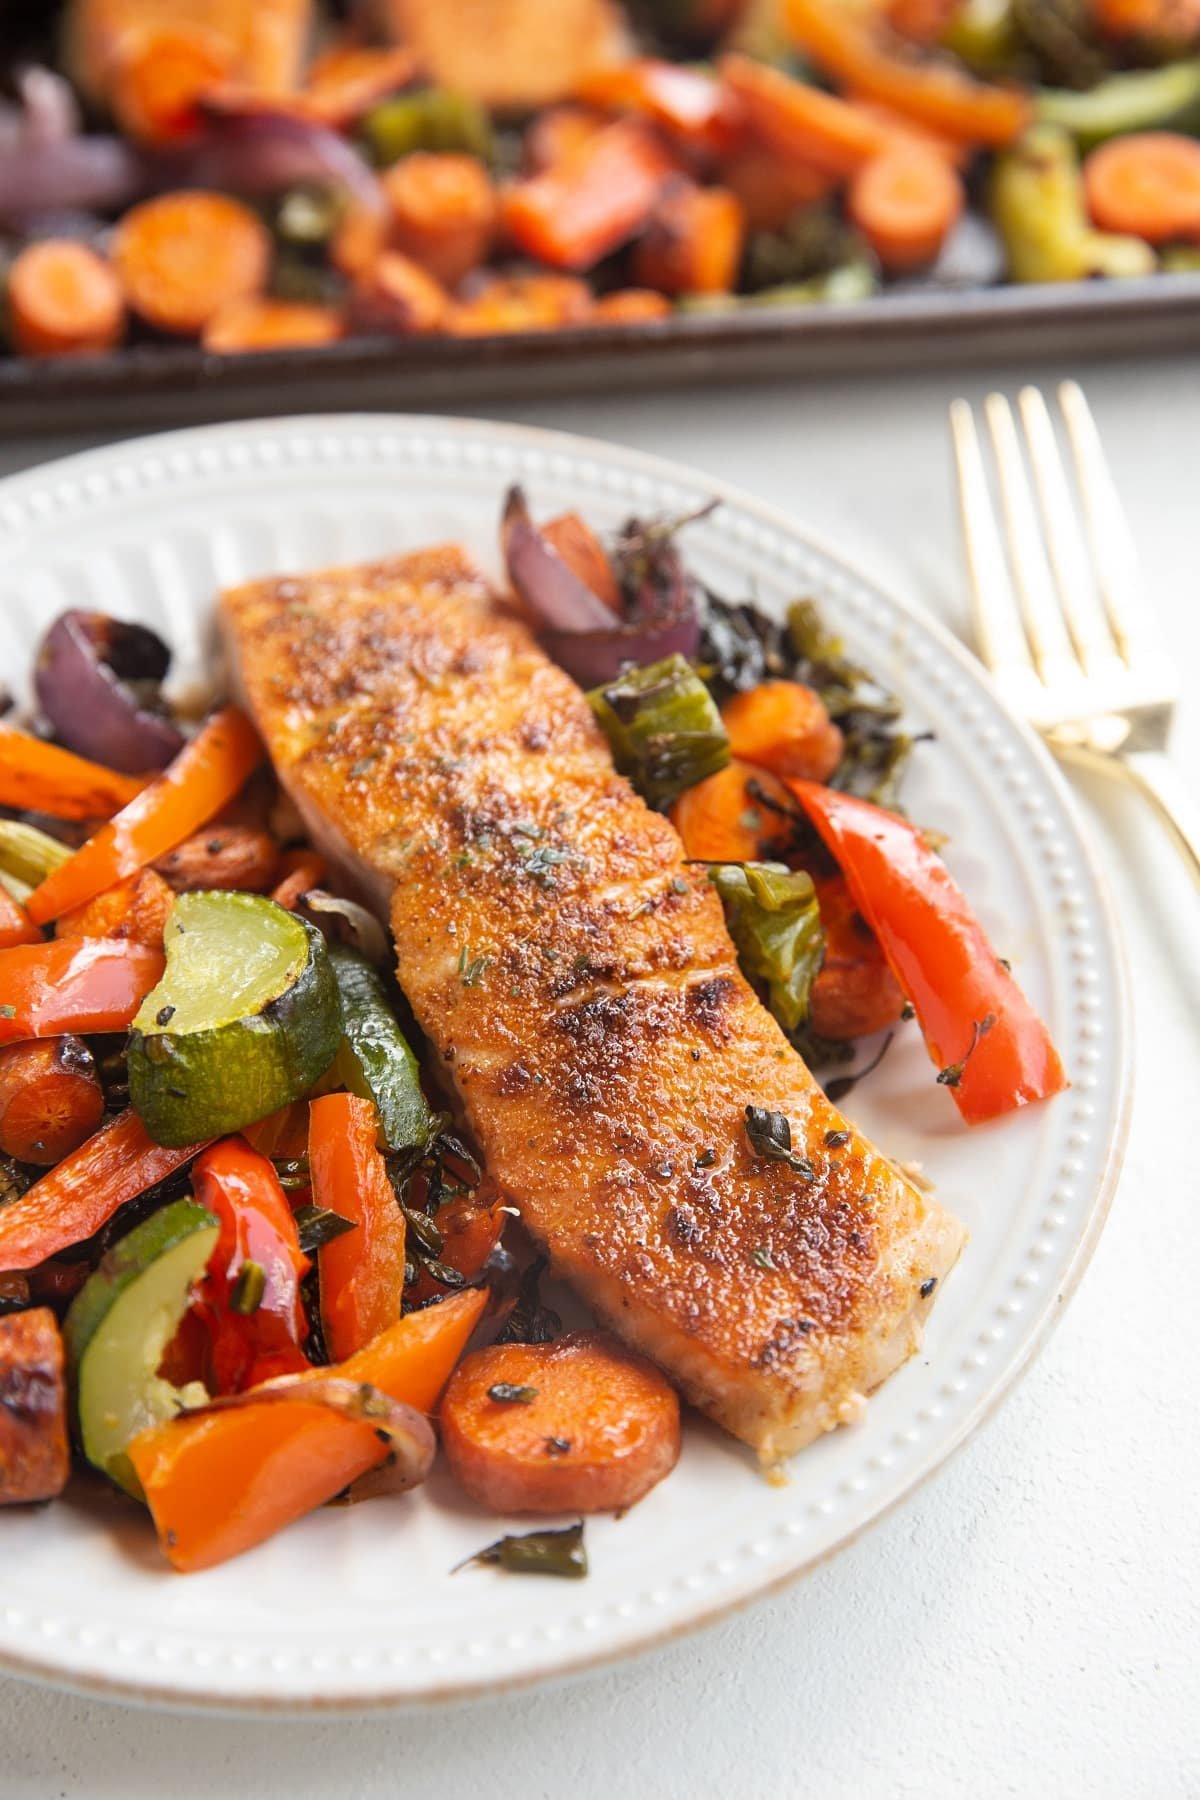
(257, 152)
(550, 588)
(82, 678)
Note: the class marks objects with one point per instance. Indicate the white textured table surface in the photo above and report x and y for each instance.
(1029, 1624)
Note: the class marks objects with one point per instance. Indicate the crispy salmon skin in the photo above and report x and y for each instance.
(578, 984)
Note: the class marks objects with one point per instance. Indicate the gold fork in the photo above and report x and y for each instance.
(1063, 622)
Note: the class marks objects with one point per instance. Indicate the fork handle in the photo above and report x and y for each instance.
(1156, 776)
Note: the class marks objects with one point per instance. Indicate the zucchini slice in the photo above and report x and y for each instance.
(245, 1019)
(119, 1326)
(375, 1060)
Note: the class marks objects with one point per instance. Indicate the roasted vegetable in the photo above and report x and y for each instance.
(39, 777)
(375, 1060)
(73, 984)
(50, 1099)
(35, 1457)
(775, 921)
(664, 728)
(119, 1326)
(1039, 207)
(429, 119)
(1166, 99)
(98, 681)
(245, 1019)
(362, 1272)
(560, 1553)
(28, 854)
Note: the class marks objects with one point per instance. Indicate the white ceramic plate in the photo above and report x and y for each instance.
(356, 1607)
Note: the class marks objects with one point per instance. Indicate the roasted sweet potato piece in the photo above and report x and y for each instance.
(507, 53)
(443, 210)
(34, 1456)
(693, 243)
(396, 294)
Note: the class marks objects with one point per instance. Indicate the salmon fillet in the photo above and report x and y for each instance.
(579, 986)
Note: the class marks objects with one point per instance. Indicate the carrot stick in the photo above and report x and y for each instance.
(73, 984)
(784, 727)
(182, 257)
(136, 909)
(361, 1272)
(906, 203)
(1146, 185)
(260, 323)
(16, 926)
(50, 1099)
(206, 774)
(222, 856)
(938, 94)
(720, 819)
(693, 243)
(220, 1483)
(800, 121)
(159, 78)
(39, 777)
(79, 1196)
(302, 870)
(63, 300)
(593, 1429)
(577, 212)
(443, 211)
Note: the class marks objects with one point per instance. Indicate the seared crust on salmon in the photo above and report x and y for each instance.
(578, 983)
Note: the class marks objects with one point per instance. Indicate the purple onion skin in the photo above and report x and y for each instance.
(75, 174)
(553, 592)
(593, 657)
(257, 152)
(79, 686)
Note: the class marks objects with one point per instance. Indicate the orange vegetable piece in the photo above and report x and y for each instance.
(35, 1454)
(921, 21)
(1146, 185)
(693, 243)
(362, 1272)
(359, 239)
(63, 300)
(906, 203)
(582, 551)
(39, 777)
(630, 306)
(855, 992)
(50, 1099)
(225, 855)
(1162, 23)
(348, 79)
(205, 775)
(397, 295)
(510, 54)
(73, 984)
(845, 45)
(261, 323)
(136, 909)
(182, 257)
(471, 1227)
(281, 1134)
(79, 1196)
(583, 208)
(721, 819)
(220, 1483)
(599, 1429)
(771, 186)
(16, 926)
(800, 121)
(552, 137)
(905, 130)
(301, 870)
(443, 211)
(783, 726)
(159, 78)
(522, 303)
(687, 104)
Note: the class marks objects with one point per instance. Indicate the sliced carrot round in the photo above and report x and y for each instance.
(443, 212)
(1146, 186)
(724, 818)
(579, 1425)
(63, 299)
(184, 256)
(906, 202)
(784, 726)
(260, 323)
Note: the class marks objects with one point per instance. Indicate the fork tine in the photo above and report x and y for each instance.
(998, 630)
(1053, 655)
(1073, 576)
(1114, 557)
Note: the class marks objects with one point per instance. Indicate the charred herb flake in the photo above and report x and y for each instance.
(953, 1073)
(317, 1225)
(559, 1553)
(844, 1084)
(770, 1137)
(508, 1393)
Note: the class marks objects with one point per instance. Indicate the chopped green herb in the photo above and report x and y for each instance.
(249, 1288)
(472, 968)
(507, 1393)
(443, 1273)
(317, 1225)
(761, 1257)
(835, 1139)
(556, 1446)
(529, 1321)
(7, 1011)
(559, 1553)
(770, 1137)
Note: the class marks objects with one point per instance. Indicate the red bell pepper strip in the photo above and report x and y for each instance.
(362, 1272)
(16, 926)
(471, 1228)
(74, 985)
(39, 777)
(991, 1049)
(206, 774)
(84, 1191)
(250, 1299)
(592, 202)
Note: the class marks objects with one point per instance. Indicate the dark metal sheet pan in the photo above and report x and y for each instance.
(152, 385)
